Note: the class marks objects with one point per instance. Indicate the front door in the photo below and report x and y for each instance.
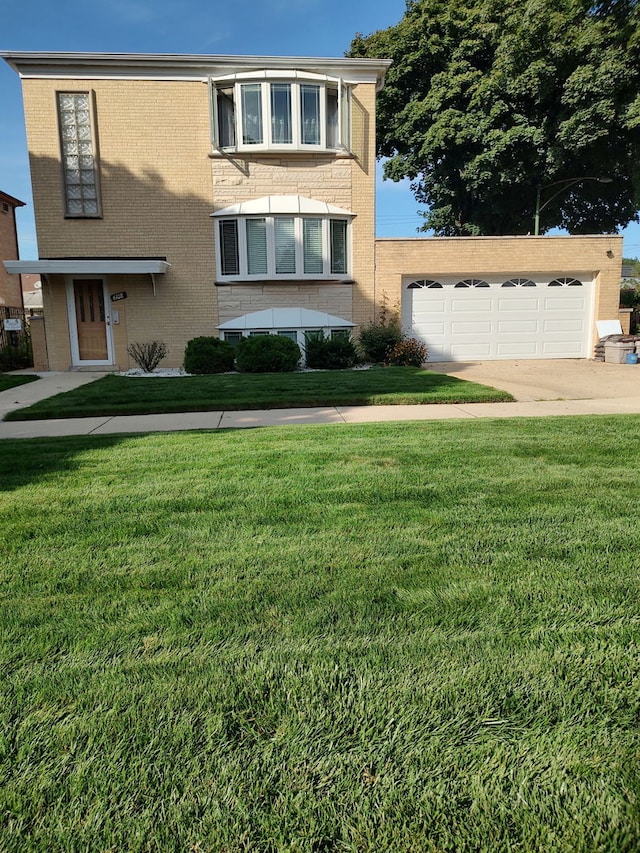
(91, 322)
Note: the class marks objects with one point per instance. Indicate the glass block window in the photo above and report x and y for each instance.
(79, 164)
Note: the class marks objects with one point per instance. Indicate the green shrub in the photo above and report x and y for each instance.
(409, 352)
(376, 339)
(148, 355)
(267, 354)
(327, 353)
(208, 355)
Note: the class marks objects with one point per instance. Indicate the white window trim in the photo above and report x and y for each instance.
(271, 275)
(296, 80)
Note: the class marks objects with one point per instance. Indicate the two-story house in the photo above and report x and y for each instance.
(178, 196)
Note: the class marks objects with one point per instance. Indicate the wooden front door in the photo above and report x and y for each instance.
(91, 320)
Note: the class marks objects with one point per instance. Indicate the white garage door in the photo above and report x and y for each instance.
(499, 318)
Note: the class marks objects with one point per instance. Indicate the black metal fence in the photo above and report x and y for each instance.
(15, 344)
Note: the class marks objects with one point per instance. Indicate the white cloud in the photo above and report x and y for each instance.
(134, 11)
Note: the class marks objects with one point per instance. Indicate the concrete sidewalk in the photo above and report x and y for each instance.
(49, 384)
(622, 378)
(330, 415)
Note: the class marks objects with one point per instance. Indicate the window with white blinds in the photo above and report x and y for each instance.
(338, 245)
(312, 246)
(228, 243)
(257, 247)
(276, 247)
(285, 244)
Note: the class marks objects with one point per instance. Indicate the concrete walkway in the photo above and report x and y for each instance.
(615, 389)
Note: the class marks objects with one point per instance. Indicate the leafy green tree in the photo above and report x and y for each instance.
(487, 101)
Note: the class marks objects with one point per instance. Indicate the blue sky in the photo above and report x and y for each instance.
(267, 27)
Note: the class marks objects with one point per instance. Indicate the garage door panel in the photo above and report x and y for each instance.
(564, 303)
(437, 306)
(471, 327)
(518, 326)
(495, 322)
(519, 306)
(439, 353)
(562, 349)
(475, 349)
(433, 329)
(516, 349)
(472, 305)
(564, 324)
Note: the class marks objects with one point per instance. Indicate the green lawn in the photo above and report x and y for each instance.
(125, 395)
(8, 381)
(381, 638)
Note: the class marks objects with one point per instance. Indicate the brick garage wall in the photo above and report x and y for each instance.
(595, 257)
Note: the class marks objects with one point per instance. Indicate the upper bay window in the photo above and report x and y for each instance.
(280, 114)
(282, 237)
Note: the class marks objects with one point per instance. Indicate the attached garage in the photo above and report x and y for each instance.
(489, 298)
(498, 317)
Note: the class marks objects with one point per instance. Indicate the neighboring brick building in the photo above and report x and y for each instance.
(178, 196)
(10, 290)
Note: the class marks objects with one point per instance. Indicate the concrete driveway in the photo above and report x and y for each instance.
(550, 379)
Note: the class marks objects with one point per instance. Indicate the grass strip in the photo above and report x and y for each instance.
(8, 381)
(122, 395)
(388, 637)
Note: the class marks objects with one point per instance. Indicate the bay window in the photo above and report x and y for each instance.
(279, 114)
(276, 247)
